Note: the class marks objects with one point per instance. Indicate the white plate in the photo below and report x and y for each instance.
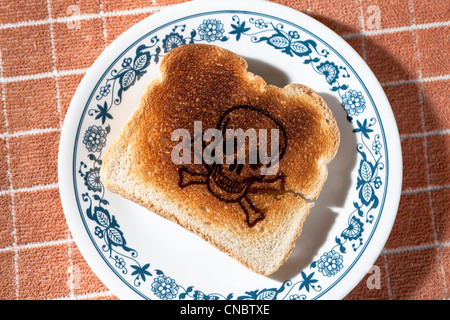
(134, 251)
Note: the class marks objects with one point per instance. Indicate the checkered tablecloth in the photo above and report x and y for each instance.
(46, 47)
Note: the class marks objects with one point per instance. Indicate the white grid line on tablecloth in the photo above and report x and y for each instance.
(58, 107)
(88, 296)
(8, 174)
(81, 17)
(412, 27)
(424, 128)
(43, 75)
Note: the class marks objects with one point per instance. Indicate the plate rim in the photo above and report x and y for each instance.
(81, 243)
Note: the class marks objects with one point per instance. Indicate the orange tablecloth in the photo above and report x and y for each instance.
(42, 60)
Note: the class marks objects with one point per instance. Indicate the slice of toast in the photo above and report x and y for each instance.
(252, 216)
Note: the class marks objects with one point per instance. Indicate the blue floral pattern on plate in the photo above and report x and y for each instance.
(259, 30)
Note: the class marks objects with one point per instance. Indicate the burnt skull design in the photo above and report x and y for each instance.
(232, 182)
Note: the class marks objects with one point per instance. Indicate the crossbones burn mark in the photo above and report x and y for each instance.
(233, 182)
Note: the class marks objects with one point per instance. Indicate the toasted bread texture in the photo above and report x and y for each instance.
(254, 219)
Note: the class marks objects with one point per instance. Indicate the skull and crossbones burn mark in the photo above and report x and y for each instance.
(233, 182)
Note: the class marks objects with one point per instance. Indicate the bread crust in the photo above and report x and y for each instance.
(201, 83)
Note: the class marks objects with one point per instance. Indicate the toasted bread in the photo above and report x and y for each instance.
(254, 219)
